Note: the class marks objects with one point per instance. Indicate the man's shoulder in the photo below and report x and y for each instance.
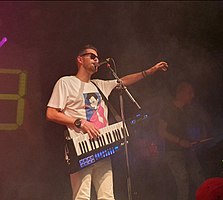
(106, 86)
(167, 108)
(67, 79)
(102, 82)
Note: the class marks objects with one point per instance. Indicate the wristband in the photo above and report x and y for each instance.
(144, 74)
(78, 122)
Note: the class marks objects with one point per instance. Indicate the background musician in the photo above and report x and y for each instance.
(71, 105)
(182, 127)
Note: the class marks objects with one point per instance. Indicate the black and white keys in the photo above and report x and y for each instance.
(108, 135)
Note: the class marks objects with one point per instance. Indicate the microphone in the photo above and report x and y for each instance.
(107, 60)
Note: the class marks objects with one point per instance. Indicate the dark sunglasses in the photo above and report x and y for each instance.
(92, 56)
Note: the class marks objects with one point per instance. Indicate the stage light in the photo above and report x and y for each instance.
(3, 41)
(138, 118)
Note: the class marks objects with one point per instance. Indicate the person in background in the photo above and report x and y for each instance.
(175, 128)
(77, 103)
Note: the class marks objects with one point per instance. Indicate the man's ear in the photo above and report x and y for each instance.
(80, 60)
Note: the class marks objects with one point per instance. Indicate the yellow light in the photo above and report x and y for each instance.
(16, 97)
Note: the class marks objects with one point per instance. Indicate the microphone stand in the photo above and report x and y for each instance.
(124, 88)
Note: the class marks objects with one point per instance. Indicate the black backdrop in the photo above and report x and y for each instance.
(42, 40)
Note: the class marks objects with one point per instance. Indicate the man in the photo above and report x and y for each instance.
(73, 104)
(174, 128)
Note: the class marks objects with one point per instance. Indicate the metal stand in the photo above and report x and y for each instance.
(123, 88)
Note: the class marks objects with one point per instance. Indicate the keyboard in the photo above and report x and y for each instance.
(82, 151)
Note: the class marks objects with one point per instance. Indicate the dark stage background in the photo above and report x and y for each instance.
(42, 38)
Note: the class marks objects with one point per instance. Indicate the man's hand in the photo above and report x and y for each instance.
(90, 129)
(185, 143)
(160, 66)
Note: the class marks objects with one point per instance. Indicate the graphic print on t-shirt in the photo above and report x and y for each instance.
(94, 110)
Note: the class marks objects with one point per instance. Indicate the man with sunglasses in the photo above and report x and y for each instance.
(76, 103)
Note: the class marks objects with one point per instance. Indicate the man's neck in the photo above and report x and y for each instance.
(84, 77)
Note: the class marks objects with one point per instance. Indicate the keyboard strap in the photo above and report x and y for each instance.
(114, 112)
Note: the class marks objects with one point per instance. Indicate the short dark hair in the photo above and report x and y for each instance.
(182, 85)
(87, 46)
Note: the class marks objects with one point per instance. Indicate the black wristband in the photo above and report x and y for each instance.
(77, 122)
(144, 74)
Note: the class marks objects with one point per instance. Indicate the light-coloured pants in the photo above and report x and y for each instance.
(184, 167)
(100, 174)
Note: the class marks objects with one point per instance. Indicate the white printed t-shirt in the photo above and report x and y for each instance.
(82, 100)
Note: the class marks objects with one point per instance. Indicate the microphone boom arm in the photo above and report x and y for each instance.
(123, 87)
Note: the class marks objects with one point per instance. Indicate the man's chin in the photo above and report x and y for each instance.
(95, 69)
